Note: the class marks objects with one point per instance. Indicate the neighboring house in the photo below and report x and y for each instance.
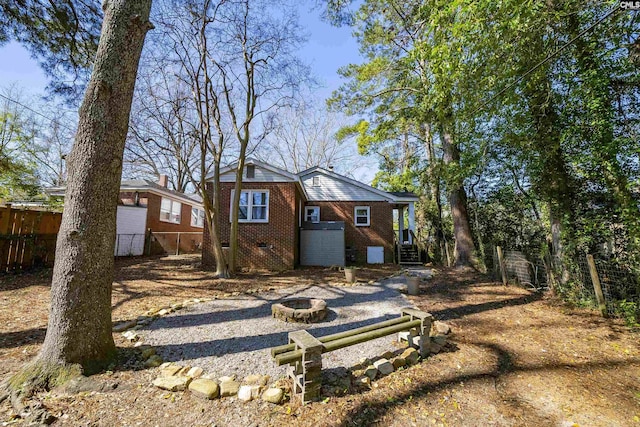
(174, 218)
(316, 217)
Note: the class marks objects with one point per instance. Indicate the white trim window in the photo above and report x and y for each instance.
(254, 206)
(197, 217)
(170, 211)
(362, 216)
(312, 214)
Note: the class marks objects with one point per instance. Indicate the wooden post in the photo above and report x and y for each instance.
(503, 270)
(596, 285)
(5, 219)
(178, 244)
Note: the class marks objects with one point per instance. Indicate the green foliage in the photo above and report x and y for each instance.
(18, 171)
(63, 35)
(630, 312)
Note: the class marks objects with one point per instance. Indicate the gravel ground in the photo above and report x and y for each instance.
(234, 335)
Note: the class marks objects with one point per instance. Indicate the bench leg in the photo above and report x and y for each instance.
(306, 373)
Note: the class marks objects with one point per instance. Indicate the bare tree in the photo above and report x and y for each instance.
(304, 137)
(163, 129)
(238, 58)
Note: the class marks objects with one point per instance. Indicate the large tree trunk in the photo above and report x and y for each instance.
(79, 330)
(464, 250)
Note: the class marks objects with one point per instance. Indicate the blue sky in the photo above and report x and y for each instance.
(327, 49)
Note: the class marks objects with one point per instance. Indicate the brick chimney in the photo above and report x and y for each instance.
(163, 180)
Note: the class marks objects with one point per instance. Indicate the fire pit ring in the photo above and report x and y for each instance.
(300, 310)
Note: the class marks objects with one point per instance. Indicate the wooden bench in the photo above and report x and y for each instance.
(304, 351)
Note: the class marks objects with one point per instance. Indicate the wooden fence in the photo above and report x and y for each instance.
(27, 238)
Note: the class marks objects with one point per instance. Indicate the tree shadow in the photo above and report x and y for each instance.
(373, 409)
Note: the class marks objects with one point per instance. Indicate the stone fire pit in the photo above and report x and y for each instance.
(300, 310)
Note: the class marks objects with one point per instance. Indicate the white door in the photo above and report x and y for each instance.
(131, 227)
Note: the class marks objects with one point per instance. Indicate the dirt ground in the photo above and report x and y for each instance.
(517, 359)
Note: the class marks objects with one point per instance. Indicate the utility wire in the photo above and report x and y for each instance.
(548, 58)
(36, 112)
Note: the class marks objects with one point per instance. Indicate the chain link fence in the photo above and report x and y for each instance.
(618, 284)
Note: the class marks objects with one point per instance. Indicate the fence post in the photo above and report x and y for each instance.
(503, 271)
(178, 244)
(5, 220)
(596, 285)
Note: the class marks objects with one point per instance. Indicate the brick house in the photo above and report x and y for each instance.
(145, 206)
(316, 217)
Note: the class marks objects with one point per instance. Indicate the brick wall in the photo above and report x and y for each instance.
(152, 202)
(278, 237)
(379, 233)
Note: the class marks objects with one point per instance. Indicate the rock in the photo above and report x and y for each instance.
(165, 364)
(371, 372)
(398, 362)
(172, 383)
(164, 312)
(196, 300)
(170, 371)
(176, 306)
(148, 352)
(131, 336)
(184, 370)
(273, 395)
(439, 339)
(138, 344)
(364, 380)
(195, 372)
(229, 388)
(204, 388)
(255, 379)
(153, 361)
(387, 355)
(227, 378)
(442, 328)
(124, 326)
(435, 348)
(247, 392)
(384, 366)
(411, 356)
(152, 312)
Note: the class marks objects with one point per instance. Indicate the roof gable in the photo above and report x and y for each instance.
(263, 173)
(331, 186)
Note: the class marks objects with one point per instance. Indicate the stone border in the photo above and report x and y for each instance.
(286, 310)
(173, 377)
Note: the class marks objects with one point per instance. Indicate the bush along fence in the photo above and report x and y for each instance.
(611, 287)
(27, 238)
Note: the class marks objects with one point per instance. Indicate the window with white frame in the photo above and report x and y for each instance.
(254, 206)
(312, 213)
(197, 217)
(170, 211)
(362, 216)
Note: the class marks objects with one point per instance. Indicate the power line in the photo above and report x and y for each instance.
(36, 112)
(548, 58)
